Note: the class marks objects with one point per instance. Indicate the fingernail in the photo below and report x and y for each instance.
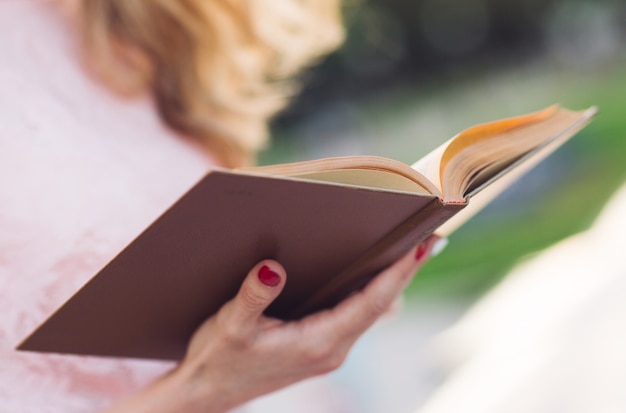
(268, 277)
(438, 246)
(422, 249)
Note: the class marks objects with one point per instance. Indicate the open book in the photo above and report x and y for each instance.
(332, 223)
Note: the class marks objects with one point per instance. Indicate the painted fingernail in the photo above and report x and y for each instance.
(438, 246)
(421, 251)
(268, 277)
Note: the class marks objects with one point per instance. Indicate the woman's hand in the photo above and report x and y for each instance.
(240, 354)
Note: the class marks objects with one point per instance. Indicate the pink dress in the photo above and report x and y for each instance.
(82, 172)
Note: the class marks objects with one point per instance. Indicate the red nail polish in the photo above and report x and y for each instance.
(268, 277)
(421, 252)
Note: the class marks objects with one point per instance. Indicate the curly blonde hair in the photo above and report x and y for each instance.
(218, 69)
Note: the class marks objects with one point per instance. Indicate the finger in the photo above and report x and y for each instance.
(262, 285)
(354, 315)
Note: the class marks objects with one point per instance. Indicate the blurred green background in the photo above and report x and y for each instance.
(414, 73)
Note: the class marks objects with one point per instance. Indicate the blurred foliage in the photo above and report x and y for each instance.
(423, 70)
(393, 42)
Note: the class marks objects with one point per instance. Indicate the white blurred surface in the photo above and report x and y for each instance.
(551, 337)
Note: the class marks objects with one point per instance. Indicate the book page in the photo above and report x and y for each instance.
(429, 165)
(435, 164)
(574, 122)
(485, 160)
(486, 131)
(363, 171)
(367, 178)
(484, 193)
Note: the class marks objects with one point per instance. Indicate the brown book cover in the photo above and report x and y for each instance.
(148, 301)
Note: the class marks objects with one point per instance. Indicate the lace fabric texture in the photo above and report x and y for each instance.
(82, 172)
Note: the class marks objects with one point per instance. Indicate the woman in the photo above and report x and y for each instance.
(109, 111)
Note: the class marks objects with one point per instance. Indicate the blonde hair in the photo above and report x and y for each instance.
(218, 69)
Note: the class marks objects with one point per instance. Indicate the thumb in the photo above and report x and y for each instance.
(262, 285)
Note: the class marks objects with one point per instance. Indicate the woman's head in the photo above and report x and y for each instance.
(217, 69)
